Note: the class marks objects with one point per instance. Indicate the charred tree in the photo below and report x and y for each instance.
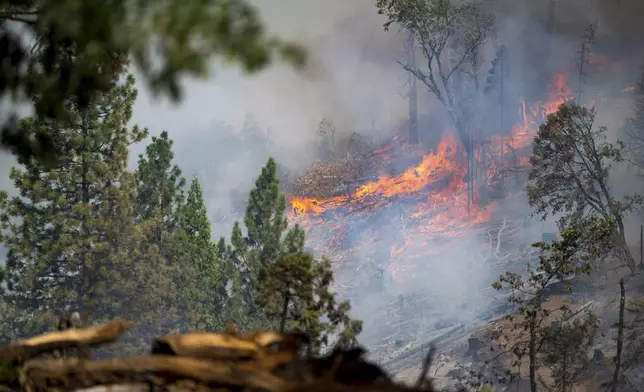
(635, 126)
(496, 86)
(412, 95)
(449, 36)
(583, 61)
(550, 24)
(327, 132)
(620, 336)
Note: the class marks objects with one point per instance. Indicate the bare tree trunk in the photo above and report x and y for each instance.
(580, 71)
(413, 93)
(551, 16)
(626, 252)
(484, 173)
(532, 351)
(620, 336)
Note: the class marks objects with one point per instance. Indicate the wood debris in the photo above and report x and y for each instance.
(223, 361)
(70, 338)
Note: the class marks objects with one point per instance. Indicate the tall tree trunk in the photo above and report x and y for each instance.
(564, 371)
(85, 284)
(622, 244)
(502, 120)
(483, 189)
(470, 171)
(551, 16)
(532, 351)
(580, 71)
(620, 336)
(413, 93)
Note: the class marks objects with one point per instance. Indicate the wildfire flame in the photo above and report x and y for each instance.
(435, 190)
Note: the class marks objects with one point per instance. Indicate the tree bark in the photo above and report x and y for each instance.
(532, 351)
(626, 252)
(620, 336)
(413, 93)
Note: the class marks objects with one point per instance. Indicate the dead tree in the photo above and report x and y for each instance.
(583, 61)
(552, 5)
(449, 36)
(412, 95)
(497, 75)
(620, 336)
(635, 126)
(327, 131)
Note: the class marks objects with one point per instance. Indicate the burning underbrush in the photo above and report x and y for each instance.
(418, 235)
(420, 211)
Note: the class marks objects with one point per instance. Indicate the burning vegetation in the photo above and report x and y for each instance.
(419, 228)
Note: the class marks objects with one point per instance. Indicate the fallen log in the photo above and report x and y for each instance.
(269, 348)
(40, 375)
(23, 350)
(275, 369)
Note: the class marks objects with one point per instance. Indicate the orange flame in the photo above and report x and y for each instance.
(437, 185)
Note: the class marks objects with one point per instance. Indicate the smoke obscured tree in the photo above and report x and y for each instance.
(449, 35)
(71, 49)
(571, 162)
(583, 61)
(633, 331)
(635, 126)
(497, 74)
(70, 234)
(327, 133)
(495, 86)
(580, 246)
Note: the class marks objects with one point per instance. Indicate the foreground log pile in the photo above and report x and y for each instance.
(260, 361)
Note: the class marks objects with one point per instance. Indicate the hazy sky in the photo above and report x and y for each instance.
(352, 75)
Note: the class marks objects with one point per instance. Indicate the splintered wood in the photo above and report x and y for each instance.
(29, 348)
(227, 361)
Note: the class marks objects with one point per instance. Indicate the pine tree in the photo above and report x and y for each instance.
(264, 220)
(196, 257)
(271, 282)
(159, 182)
(71, 237)
(265, 225)
(297, 290)
(264, 242)
(566, 347)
